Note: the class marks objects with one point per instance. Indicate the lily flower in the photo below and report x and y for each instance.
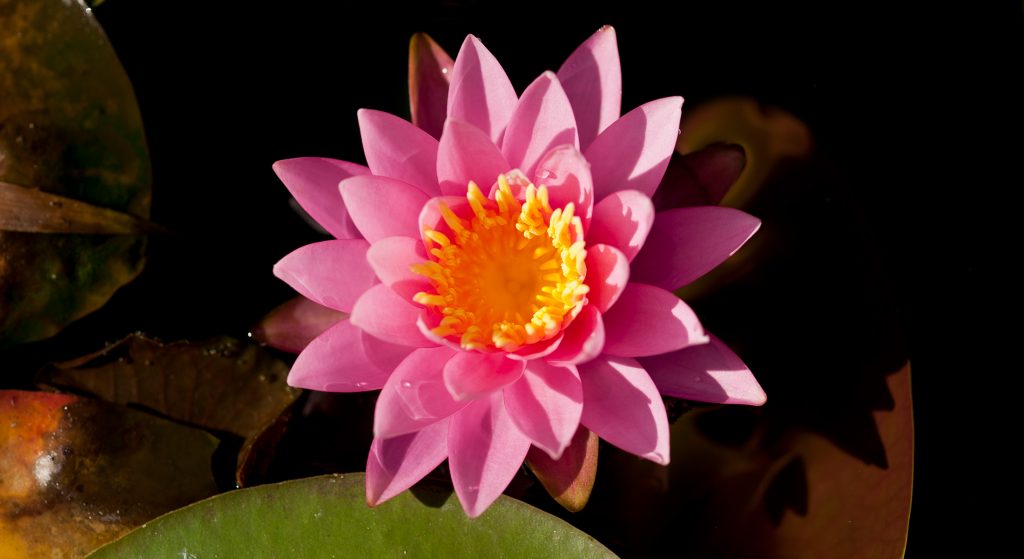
(509, 282)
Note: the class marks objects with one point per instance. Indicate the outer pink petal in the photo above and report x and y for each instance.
(706, 373)
(396, 149)
(383, 207)
(313, 181)
(583, 339)
(592, 79)
(566, 173)
(634, 151)
(395, 464)
(335, 362)
(686, 243)
(414, 395)
(467, 154)
(623, 220)
(480, 93)
(333, 273)
(430, 69)
(385, 315)
(386, 356)
(622, 405)
(648, 320)
(546, 404)
(485, 451)
(293, 324)
(607, 275)
(392, 259)
(542, 120)
(471, 375)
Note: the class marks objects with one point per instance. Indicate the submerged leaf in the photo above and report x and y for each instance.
(69, 126)
(328, 517)
(231, 388)
(76, 473)
(33, 211)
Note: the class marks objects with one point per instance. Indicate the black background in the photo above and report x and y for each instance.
(227, 88)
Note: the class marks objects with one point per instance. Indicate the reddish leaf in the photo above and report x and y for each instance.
(430, 70)
(569, 479)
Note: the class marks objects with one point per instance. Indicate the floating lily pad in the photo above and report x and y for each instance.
(327, 516)
(235, 389)
(69, 126)
(76, 473)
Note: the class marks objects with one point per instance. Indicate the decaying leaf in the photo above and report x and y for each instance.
(76, 472)
(69, 126)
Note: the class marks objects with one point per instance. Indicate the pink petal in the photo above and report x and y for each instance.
(396, 464)
(705, 373)
(686, 243)
(430, 216)
(701, 178)
(313, 181)
(294, 323)
(414, 395)
(332, 273)
(566, 173)
(386, 356)
(542, 120)
(632, 153)
(383, 207)
(607, 275)
(335, 362)
(485, 450)
(392, 259)
(648, 320)
(546, 404)
(396, 149)
(622, 405)
(471, 375)
(467, 154)
(623, 220)
(592, 79)
(385, 315)
(583, 339)
(430, 68)
(537, 350)
(480, 93)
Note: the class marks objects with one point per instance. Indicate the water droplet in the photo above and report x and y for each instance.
(473, 488)
(53, 276)
(361, 384)
(444, 70)
(545, 174)
(406, 384)
(679, 132)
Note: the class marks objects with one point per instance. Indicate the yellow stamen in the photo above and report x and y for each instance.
(510, 274)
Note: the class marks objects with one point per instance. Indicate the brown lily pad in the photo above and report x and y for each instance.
(76, 472)
(69, 127)
(570, 479)
(791, 495)
(234, 389)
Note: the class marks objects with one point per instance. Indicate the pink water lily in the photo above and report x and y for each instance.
(506, 278)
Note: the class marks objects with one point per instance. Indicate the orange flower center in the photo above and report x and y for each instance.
(511, 274)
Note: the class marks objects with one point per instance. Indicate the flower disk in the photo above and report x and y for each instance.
(511, 274)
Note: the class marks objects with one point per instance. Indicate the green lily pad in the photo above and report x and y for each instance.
(69, 126)
(232, 388)
(327, 516)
